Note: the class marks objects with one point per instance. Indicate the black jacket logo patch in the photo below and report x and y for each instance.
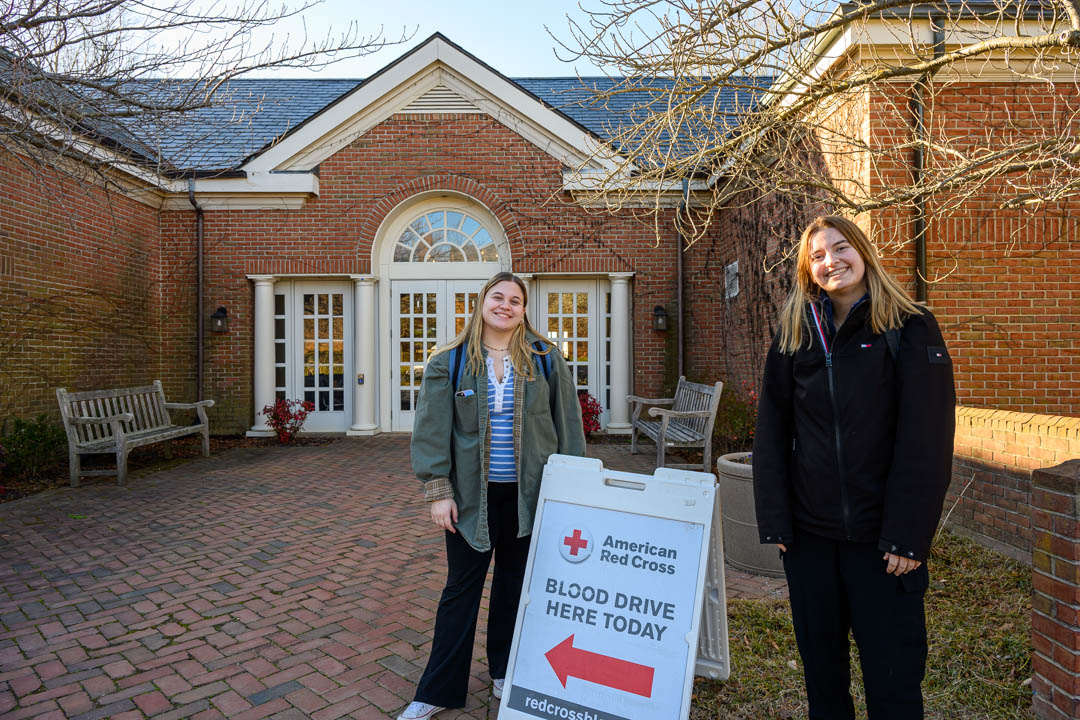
(937, 355)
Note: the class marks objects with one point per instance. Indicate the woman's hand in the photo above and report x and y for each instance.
(900, 565)
(783, 548)
(444, 514)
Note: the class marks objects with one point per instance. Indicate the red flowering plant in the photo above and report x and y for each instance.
(736, 419)
(286, 417)
(590, 411)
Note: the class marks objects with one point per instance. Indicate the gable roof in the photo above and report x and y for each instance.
(252, 116)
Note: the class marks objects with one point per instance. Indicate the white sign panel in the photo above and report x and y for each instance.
(608, 623)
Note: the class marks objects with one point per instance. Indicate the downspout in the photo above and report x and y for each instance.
(918, 161)
(679, 275)
(199, 329)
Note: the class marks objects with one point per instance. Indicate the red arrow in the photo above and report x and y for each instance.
(566, 661)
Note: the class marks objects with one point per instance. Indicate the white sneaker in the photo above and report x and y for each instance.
(419, 711)
(497, 687)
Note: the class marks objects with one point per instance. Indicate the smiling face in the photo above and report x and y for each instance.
(835, 265)
(504, 306)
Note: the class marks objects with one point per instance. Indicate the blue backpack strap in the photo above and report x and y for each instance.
(543, 361)
(457, 363)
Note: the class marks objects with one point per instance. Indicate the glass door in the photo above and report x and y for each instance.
(575, 315)
(322, 353)
(427, 315)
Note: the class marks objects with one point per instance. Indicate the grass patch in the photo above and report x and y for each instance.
(978, 612)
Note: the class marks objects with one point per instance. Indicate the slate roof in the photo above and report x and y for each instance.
(250, 114)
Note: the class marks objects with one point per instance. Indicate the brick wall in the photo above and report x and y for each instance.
(78, 288)
(995, 454)
(403, 156)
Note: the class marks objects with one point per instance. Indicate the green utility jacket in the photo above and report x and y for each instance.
(451, 438)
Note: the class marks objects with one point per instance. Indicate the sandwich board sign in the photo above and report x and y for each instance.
(607, 626)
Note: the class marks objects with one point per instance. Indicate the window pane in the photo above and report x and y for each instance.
(583, 302)
(553, 302)
(582, 375)
(309, 304)
(324, 304)
(453, 219)
(471, 254)
(339, 376)
(431, 303)
(420, 226)
(339, 400)
(406, 396)
(404, 305)
(279, 329)
(338, 304)
(418, 303)
(279, 304)
(309, 396)
(469, 226)
(324, 401)
(567, 302)
(436, 219)
(489, 254)
(583, 327)
(324, 328)
(339, 327)
(279, 352)
(279, 377)
(309, 329)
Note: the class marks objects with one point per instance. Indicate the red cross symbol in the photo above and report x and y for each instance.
(575, 542)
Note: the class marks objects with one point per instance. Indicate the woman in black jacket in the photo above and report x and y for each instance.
(852, 458)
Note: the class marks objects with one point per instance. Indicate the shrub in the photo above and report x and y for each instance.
(590, 411)
(33, 447)
(286, 417)
(736, 418)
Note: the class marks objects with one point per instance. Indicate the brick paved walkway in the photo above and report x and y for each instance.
(281, 582)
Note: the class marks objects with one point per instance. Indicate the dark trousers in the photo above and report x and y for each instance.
(445, 681)
(836, 587)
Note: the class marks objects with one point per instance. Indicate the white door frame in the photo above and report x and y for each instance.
(382, 262)
(597, 290)
(333, 420)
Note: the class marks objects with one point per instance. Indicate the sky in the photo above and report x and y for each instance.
(507, 35)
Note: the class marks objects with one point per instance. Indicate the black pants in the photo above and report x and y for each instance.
(445, 681)
(840, 586)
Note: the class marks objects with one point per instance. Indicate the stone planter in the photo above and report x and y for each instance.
(741, 546)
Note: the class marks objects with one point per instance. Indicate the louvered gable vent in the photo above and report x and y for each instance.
(439, 99)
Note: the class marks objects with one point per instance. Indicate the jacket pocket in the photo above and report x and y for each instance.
(465, 413)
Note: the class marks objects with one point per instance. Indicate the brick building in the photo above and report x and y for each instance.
(347, 227)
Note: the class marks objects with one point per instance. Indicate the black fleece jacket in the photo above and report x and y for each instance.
(868, 460)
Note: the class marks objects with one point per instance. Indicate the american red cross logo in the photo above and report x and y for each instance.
(575, 542)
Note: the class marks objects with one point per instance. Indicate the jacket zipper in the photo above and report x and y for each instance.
(839, 446)
(836, 422)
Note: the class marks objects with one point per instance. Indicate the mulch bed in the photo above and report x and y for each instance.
(14, 488)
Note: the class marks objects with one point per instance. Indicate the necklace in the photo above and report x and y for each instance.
(496, 349)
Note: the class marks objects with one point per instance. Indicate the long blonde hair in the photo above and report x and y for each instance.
(890, 305)
(521, 350)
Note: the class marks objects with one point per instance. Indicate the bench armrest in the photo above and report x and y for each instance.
(189, 406)
(677, 414)
(107, 420)
(648, 401)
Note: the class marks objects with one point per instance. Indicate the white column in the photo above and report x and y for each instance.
(530, 288)
(365, 343)
(619, 412)
(264, 351)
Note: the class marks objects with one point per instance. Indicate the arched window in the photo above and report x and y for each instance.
(445, 236)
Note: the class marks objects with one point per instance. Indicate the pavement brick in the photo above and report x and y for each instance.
(281, 582)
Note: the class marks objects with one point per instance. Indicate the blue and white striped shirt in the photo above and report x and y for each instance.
(500, 398)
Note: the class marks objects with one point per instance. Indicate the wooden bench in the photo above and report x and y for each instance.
(106, 422)
(688, 424)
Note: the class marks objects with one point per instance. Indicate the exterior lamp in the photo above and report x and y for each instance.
(659, 319)
(219, 321)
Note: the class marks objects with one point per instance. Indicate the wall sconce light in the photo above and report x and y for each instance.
(219, 321)
(659, 319)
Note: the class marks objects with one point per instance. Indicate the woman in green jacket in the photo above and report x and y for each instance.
(493, 405)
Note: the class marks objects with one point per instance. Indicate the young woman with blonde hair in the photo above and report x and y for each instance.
(493, 405)
(852, 459)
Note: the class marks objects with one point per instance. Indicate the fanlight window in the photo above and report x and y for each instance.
(445, 236)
